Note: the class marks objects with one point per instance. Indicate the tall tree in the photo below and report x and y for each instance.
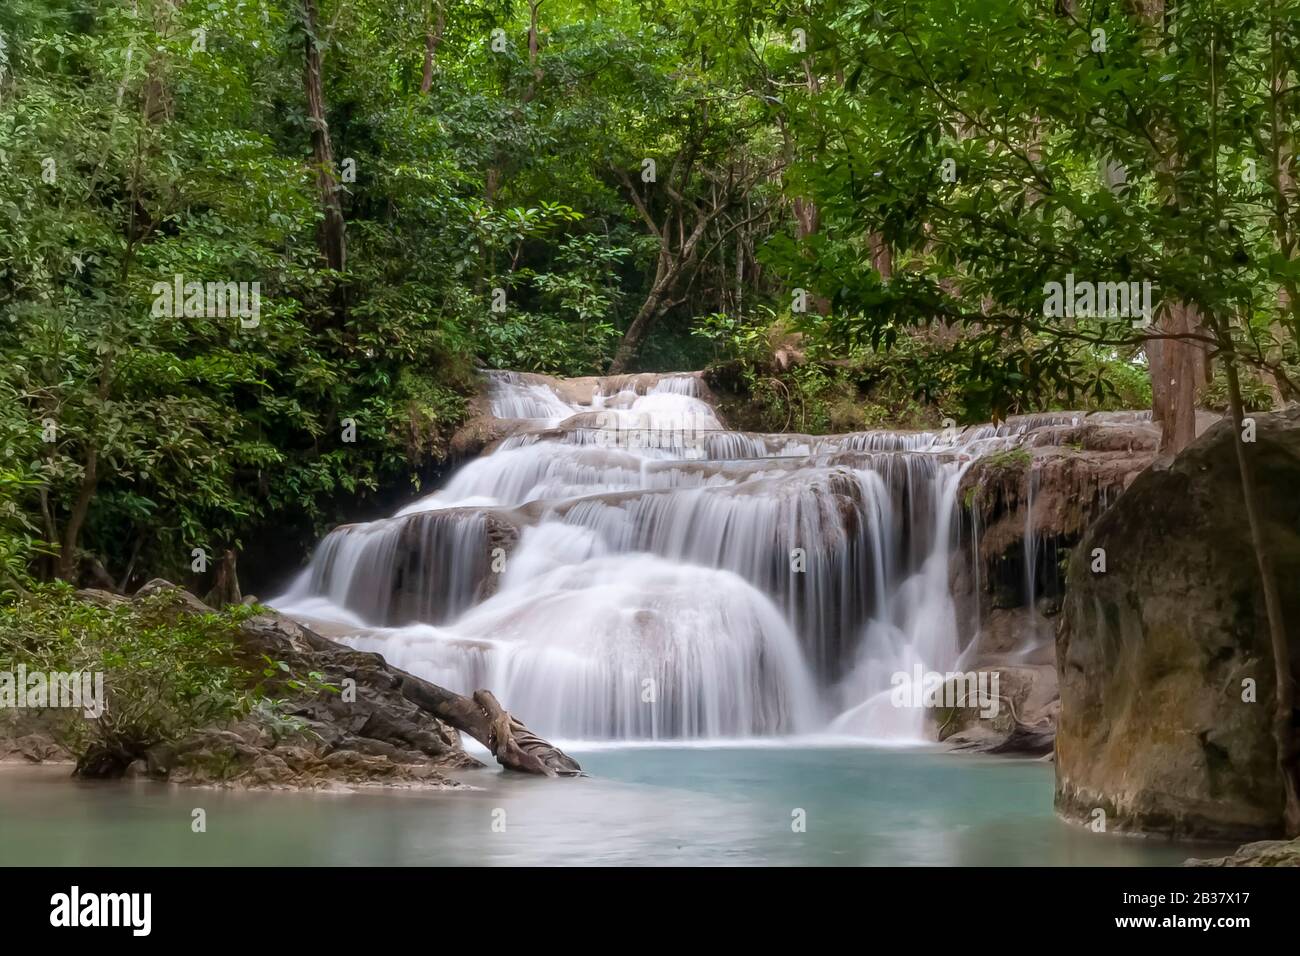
(332, 232)
(434, 25)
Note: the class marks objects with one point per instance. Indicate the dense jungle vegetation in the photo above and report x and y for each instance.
(849, 209)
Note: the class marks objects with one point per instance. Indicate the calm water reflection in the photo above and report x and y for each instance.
(640, 806)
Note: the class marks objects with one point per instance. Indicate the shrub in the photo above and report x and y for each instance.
(167, 671)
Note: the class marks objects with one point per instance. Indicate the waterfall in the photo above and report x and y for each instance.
(590, 644)
(1030, 541)
(428, 568)
(622, 566)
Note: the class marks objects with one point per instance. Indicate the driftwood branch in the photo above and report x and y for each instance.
(513, 745)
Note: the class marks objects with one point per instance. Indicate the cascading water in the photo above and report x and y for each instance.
(623, 567)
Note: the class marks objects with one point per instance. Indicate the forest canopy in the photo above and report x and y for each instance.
(252, 252)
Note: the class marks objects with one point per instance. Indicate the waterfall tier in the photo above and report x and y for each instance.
(622, 566)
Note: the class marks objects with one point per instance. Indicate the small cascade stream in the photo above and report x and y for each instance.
(624, 567)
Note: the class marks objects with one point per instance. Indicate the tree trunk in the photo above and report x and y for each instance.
(80, 508)
(534, 48)
(1178, 371)
(432, 39)
(1282, 160)
(225, 589)
(672, 267)
(534, 6)
(807, 216)
(331, 238)
(882, 256)
(157, 99)
(513, 745)
(646, 317)
(1284, 739)
(807, 220)
(1177, 367)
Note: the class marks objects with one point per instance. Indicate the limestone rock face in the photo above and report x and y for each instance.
(411, 562)
(1051, 489)
(1155, 655)
(1022, 510)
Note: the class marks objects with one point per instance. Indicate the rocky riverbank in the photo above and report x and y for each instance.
(1269, 853)
(351, 725)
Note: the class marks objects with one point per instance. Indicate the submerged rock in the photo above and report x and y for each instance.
(1164, 662)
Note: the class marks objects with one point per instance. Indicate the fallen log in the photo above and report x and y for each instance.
(513, 745)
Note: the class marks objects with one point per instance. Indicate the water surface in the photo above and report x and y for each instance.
(658, 805)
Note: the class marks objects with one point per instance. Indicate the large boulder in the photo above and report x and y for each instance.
(1023, 723)
(1158, 655)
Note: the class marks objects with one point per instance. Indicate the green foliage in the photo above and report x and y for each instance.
(973, 142)
(1255, 393)
(1008, 459)
(563, 327)
(916, 383)
(20, 539)
(166, 672)
(737, 338)
(132, 157)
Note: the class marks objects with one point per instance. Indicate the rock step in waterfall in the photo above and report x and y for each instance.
(622, 566)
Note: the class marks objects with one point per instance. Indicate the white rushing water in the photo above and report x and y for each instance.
(624, 567)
